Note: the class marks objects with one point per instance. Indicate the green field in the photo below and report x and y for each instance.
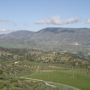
(75, 77)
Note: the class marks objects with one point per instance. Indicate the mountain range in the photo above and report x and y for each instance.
(51, 38)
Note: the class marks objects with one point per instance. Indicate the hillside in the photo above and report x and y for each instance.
(32, 69)
(68, 39)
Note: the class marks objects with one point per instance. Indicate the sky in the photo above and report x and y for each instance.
(34, 15)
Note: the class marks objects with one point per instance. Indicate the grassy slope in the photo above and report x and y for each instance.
(78, 80)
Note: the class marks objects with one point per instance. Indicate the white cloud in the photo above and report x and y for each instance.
(3, 31)
(88, 21)
(52, 20)
(72, 20)
(4, 23)
(58, 21)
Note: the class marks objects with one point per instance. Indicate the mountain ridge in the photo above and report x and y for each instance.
(50, 38)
